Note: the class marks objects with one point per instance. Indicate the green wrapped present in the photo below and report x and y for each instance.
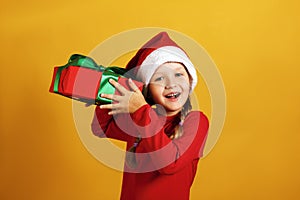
(82, 79)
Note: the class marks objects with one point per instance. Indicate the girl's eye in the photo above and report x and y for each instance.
(178, 74)
(159, 79)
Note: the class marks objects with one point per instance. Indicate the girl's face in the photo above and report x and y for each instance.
(170, 86)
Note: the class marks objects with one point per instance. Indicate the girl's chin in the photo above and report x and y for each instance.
(174, 103)
(172, 110)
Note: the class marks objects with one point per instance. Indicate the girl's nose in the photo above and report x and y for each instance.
(170, 83)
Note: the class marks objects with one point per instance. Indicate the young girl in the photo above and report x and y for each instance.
(165, 139)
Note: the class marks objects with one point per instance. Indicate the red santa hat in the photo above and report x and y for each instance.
(157, 51)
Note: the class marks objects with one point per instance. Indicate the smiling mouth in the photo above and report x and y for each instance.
(173, 95)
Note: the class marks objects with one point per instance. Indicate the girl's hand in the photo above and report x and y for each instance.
(128, 102)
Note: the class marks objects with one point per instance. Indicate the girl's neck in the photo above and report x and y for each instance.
(161, 111)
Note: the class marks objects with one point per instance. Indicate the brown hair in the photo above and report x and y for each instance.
(187, 107)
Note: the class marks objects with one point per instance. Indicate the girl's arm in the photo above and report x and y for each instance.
(171, 155)
(104, 125)
(113, 120)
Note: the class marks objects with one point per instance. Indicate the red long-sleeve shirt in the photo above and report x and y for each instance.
(165, 168)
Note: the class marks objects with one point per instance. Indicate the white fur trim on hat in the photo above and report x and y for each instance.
(161, 56)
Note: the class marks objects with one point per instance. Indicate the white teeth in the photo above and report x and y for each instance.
(173, 95)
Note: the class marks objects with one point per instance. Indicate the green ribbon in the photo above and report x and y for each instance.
(107, 73)
(105, 86)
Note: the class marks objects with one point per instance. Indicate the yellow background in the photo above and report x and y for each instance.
(255, 45)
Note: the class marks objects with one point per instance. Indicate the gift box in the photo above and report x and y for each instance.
(83, 80)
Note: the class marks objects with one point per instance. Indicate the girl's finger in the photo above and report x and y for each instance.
(113, 112)
(111, 97)
(118, 86)
(133, 86)
(112, 107)
(106, 106)
(107, 96)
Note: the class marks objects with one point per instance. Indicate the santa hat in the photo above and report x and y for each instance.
(157, 51)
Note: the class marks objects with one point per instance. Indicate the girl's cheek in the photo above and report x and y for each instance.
(159, 85)
(183, 81)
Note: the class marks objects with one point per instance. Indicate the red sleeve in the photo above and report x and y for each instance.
(104, 125)
(176, 153)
